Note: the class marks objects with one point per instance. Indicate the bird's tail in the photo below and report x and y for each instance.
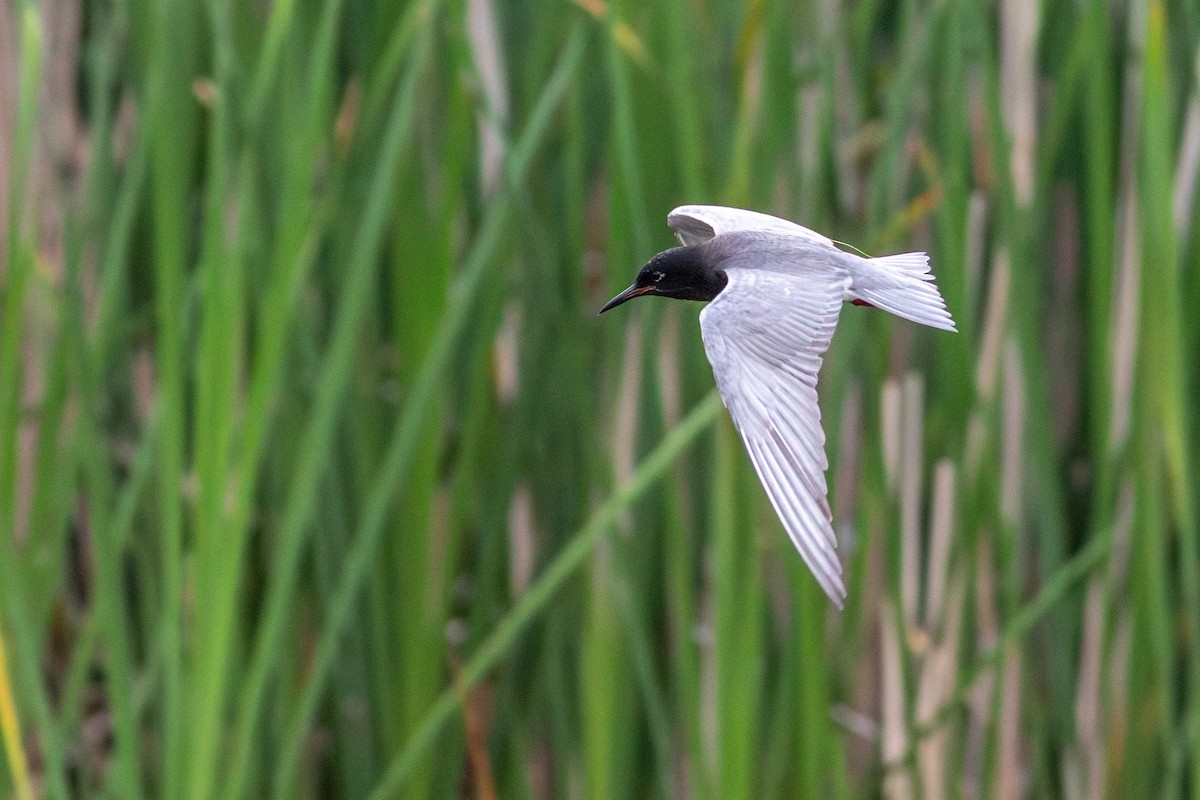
(903, 285)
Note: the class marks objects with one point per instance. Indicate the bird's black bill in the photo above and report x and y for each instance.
(628, 294)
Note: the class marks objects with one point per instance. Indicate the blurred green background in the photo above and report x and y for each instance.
(320, 477)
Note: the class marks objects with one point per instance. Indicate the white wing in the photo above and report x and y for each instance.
(764, 335)
(696, 224)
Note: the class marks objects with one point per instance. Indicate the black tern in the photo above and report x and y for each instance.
(776, 290)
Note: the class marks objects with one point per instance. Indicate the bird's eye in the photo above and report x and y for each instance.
(658, 276)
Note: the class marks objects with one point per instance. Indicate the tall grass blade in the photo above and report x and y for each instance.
(542, 590)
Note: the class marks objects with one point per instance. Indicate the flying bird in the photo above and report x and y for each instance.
(775, 290)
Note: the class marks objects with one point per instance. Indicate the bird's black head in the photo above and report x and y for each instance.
(683, 273)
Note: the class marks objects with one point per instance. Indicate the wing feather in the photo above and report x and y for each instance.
(696, 224)
(764, 335)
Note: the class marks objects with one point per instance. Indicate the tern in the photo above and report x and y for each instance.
(774, 292)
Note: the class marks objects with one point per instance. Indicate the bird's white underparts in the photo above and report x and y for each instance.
(775, 290)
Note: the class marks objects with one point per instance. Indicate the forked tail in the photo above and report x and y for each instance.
(903, 285)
